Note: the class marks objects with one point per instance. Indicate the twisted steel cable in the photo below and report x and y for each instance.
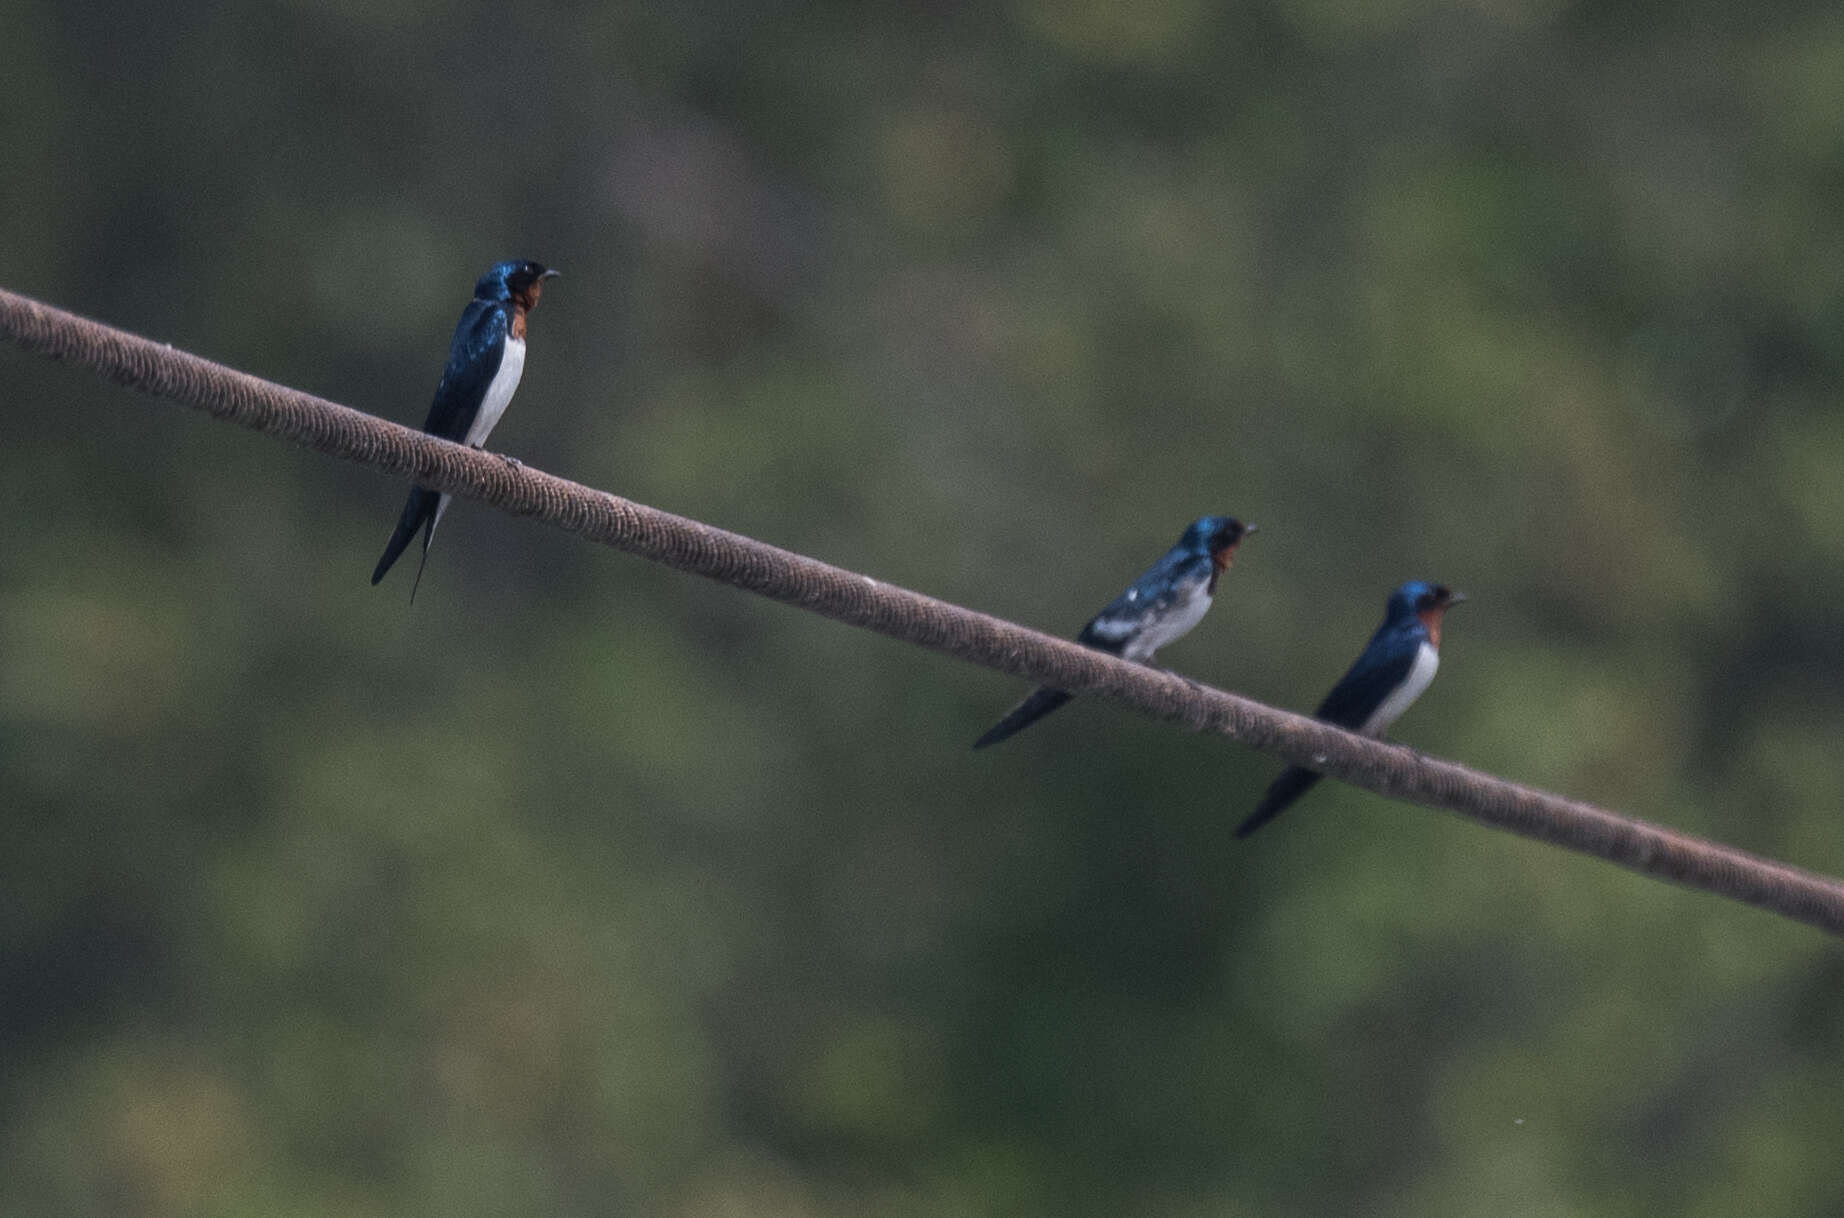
(859, 600)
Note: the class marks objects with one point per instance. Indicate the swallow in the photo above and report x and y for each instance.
(485, 360)
(1386, 679)
(1159, 608)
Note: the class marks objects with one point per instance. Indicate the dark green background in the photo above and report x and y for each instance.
(585, 887)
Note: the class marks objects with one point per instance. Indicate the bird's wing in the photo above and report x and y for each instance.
(1149, 597)
(1384, 665)
(473, 358)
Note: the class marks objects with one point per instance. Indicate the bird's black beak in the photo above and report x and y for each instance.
(550, 274)
(1249, 528)
(1454, 598)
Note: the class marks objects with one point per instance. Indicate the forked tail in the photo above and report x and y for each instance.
(1293, 783)
(1033, 708)
(418, 513)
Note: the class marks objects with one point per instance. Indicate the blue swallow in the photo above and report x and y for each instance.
(485, 361)
(1161, 607)
(1393, 671)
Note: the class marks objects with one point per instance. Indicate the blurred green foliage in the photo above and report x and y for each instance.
(584, 887)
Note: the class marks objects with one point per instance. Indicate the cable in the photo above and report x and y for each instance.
(862, 601)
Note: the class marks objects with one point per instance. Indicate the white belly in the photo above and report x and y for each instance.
(499, 393)
(1169, 629)
(492, 405)
(1426, 661)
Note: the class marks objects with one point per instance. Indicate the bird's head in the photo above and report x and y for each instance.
(1419, 600)
(1217, 536)
(517, 281)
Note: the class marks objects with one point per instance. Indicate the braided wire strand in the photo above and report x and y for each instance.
(859, 600)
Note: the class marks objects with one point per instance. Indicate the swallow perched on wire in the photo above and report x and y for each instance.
(485, 360)
(1159, 608)
(1387, 678)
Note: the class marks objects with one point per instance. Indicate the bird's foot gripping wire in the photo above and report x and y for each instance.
(1196, 686)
